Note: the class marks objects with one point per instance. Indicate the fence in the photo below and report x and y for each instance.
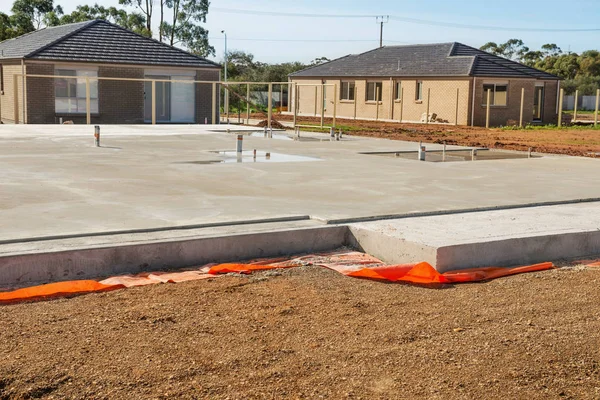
(104, 100)
(90, 99)
(447, 102)
(455, 102)
(249, 97)
(584, 103)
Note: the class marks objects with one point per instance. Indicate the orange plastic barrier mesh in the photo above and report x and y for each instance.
(353, 264)
(53, 290)
(350, 263)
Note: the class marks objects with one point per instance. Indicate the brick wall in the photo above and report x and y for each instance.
(204, 104)
(7, 110)
(40, 95)
(550, 102)
(120, 102)
(443, 99)
(500, 115)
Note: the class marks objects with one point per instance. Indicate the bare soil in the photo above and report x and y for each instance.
(578, 142)
(309, 333)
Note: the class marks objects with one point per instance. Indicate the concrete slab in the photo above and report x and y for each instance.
(99, 256)
(490, 238)
(55, 182)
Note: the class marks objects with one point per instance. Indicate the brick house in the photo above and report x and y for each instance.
(450, 79)
(83, 52)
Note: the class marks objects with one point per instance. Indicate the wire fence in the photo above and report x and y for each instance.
(91, 99)
(484, 103)
(85, 98)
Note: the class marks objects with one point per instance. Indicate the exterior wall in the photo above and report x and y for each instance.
(501, 115)
(40, 95)
(550, 102)
(7, 110)
(120, 102)
(442, 101)
(204, 95)
(444, 97)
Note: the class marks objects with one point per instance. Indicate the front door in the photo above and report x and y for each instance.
(163, 99)
(538, 103)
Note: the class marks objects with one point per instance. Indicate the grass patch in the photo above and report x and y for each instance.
(550, 127)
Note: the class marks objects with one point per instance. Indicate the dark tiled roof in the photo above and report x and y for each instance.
(98, 42)
(24, 45)
(443, 59)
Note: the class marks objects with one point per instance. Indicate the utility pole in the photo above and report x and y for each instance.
(384, 19)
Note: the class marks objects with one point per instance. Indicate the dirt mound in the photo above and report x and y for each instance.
(274, 124)
(310, 333)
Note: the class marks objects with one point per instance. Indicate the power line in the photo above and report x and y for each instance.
(307, 40)
(403, 19)
(285, 14)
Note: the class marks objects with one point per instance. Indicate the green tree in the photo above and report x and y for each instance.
(319, 60)
(589, 62)
(33, 11)
(513, 49)
(185, 26)
(6, 28)
(133, 21)
(146, 7)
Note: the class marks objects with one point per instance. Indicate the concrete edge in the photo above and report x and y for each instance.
(451, 212)
(92, 263)
(158, 229)
(518, 251)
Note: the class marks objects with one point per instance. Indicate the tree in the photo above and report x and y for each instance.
(6, 28)
(34, 11)
(146, 7)
(551, 50)
(589, 63)
(319, 60)
(513, 49)
(133, 21)
(185, 26)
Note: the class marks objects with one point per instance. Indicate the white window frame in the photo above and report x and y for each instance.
(76, 104)
(375, 85)
(493, 94)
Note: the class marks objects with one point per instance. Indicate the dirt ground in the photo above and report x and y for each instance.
(310, 333)
(578, 142)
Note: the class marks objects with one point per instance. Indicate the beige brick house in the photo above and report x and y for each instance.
(447, 81)
(82, 52)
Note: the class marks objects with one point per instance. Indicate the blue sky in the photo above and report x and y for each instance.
(316, 37)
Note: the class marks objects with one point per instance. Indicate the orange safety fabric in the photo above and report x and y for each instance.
(422, 273)
(349, 263)
(52, 290)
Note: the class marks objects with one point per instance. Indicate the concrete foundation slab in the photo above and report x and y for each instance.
(54, 181)
(489, 238)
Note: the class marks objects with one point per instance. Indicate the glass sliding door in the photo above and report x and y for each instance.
(175, 100)
(163, 99)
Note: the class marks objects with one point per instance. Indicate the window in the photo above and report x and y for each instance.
(347, 91)
(398, 91)
(419, 91)
(1, 80)
(498, 93)
(372, 89)
(69, 93)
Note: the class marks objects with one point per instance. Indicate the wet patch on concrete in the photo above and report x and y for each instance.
(249, 156)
